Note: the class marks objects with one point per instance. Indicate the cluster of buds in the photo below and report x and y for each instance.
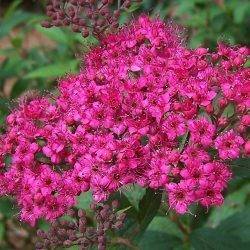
(78, 232)
(87, 17)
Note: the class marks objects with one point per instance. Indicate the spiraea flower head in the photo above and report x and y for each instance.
(143, 110)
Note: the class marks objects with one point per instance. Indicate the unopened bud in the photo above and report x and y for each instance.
(115, 203)
(222, 121)
(241, 108)
(223, 103)
(241, 129)
(81, 213)
(245, 120)
(118, 225)
(247, 148)
(67, 243)
(121, 217)
(71, 213)
(209, 108)
(41, 234)
(46, 24)
(85, 33)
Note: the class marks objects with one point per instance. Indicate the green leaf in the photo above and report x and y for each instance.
(197, 20)
(236, 183)
(200, 218)
(17, 42)
(124, 203)
(131, 223)
(88, 41)
(19, 87)
(53, 70)
(161, 234)
(234, 202)
(84, 200)
(183, 140)
(247, 64)
(148, 207)
(198, 39)
(2, 230)
(55, 34)
(7, 207)
(123, 18)
(240, 12)
(184, 7)
(215, 11)
(4, 108)
(219, 22)
(164, 224)
(73, 248)
(158, 241)
(134, 193)
(124, 210)
(11, 67)
(228, 111)
(160, 10)
(241, 167)
(10, 11)
(212, 239)
(133, 7)
(44, 225)
(19, 17)
(237, 225)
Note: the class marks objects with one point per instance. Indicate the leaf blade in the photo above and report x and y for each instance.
(148, 207)
(53, 70)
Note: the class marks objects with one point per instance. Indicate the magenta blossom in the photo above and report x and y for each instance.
(228, 145)
(144, 110)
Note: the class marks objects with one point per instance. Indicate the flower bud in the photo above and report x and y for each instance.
(241, 108)
(247, 148)
(46, 24)
(101, 247)
(81, 213)
(67, 243)
(121, 217)
(39, 245)
(175, 171)
(71, 213)
(118, 225)
(85, 33)
(223, 103)
(222, 121)
(41, 234)
(209, 108)
(241, 128)
(115, 203)
(245, 120)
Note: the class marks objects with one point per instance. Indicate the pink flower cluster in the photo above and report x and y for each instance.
(144, 110)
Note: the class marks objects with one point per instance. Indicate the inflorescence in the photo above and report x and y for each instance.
(96, 17)
(144, 110)
(77, 232)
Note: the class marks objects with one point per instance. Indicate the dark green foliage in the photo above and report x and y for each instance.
(148, 207)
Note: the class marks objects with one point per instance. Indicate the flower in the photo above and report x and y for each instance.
(202, 131)
(229, 145)
(180, 195)
(174, 126)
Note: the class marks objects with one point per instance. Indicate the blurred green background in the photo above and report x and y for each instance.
(32, 58)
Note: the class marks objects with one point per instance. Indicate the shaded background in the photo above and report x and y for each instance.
(32, 58)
